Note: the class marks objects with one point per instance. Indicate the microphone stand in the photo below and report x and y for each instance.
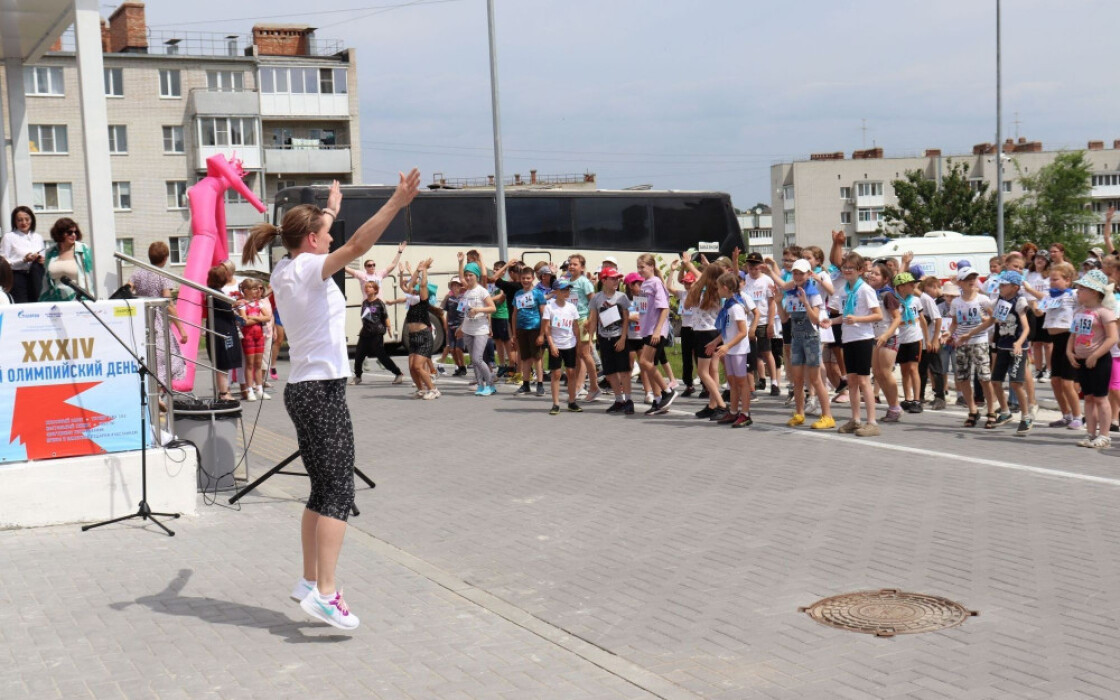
(144, 512)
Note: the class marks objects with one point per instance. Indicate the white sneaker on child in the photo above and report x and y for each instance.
(250, 396)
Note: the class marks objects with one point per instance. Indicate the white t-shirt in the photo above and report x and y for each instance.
(970, 315)
(314, 313)
(1038, 282)
(1059, 310)
(735, 314)
(912, 332)
(474, 299)
(561, 323)
(705, 319)
(866, 300)
(760, 291)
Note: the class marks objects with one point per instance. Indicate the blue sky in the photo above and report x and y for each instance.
(703, 94)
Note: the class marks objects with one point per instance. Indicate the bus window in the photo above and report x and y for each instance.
(356, 210)
(539, 222)
(612, 223)
(679, 223)
(450, 220)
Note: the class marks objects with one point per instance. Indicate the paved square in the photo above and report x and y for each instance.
(508, 553)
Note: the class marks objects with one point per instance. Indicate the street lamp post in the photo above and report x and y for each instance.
(499, 187)
(999, 137)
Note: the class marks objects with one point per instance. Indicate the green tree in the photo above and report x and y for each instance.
(1055, 206)
(956, 206)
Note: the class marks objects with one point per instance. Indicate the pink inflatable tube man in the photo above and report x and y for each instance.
(208, 246)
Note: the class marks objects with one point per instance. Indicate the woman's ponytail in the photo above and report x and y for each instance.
(260, 237)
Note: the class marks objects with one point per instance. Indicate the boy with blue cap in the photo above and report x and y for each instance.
(1012, 344)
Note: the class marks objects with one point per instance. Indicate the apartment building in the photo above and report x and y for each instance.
(828, 192)
(279, 99)
(758, 229)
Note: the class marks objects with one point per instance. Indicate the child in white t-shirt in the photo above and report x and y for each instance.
(558, 326)
(733, 346)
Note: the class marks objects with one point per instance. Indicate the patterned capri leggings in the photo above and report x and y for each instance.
(326, 443)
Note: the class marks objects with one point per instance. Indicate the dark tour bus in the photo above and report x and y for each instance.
(545, 225)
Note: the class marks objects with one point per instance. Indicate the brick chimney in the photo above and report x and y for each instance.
(1116, 144)
(106, 37)
(128, 32)
(1028, 147)
(869, 153)
(835, 155)
(532, 177)
(283, 39)
(933, 153)
(981, 149)
(1096, 145)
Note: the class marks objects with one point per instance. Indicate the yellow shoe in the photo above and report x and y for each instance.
(825, 423)
(796, 420)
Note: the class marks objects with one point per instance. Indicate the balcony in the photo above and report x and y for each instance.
(302, 105)
(1105, 185)
(308, 160)
(242, 103)
(242, 215)
(250, 155)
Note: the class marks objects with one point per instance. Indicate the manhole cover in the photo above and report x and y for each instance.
(887, 612)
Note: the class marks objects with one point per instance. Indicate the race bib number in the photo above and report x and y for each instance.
(1002, 310)
(462, 306)
(1048, 303)
(562, 321)
(992, 285)
(525, 301)
(793, 304)
(969, 317)
(640, 304)
(1082, 328)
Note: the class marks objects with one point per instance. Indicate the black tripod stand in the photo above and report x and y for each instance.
(144, 512)
(278, 469)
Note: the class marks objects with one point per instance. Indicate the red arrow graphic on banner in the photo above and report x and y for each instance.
(49, 427)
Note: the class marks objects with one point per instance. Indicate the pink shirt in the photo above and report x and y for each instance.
(657, 298)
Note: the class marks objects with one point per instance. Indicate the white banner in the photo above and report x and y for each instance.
(67, 387)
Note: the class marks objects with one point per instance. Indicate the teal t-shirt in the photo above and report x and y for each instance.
(583, 289)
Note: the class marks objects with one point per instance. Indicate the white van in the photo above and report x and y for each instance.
(937, 252)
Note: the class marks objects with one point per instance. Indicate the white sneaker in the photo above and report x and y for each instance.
(429, 395)
(399, 379)
(301, 589)
(250, 396)
(591, 396)
(1086, 441)
(813, 406)
(649, 397)
(1101, 442)
(263, 395)
(419, 394)
(581, 395)
(332, 610)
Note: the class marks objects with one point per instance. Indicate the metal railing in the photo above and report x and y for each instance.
(183, 43)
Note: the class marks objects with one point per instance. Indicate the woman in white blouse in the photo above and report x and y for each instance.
(23, 249)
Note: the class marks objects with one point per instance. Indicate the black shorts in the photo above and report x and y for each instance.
(1009, 367)
(527, 343)
(760, 341)
(659, 356)
(499, 328)
(614, 361)
(1038, 333)
(787, 333)
(421, 343)
(566, 358)
(836, 328)
(701, 339)
(777, 343)
(909, 352)
(857, 356)
(635, 345)
(1059, 363)
(1094, 382)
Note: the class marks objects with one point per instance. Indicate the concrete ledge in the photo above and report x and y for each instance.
(96, 487)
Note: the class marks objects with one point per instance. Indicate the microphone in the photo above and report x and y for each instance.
(80, 291)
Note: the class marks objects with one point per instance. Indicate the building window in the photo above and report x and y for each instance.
(787, 192)
(235, 197)
(173, 139)
(845, 217)
(118, 139)
(114, 82)
(869, 189)
(1007, 185)
(871, 214)
(235, 241)
(47, 138)
(52, 196)
(1111, 180)
(170, 84)
(176, 194)
(42, 80)
(228, 131)
(790, 218)
(122, 196)
(845, 193)
(328, 81)
(976, 184)
(179, 246)
(126, 246)
(225, 80)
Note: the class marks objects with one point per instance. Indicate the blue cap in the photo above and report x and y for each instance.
(561, 284)
(963, 263)
(1011, 277)
(917, 271)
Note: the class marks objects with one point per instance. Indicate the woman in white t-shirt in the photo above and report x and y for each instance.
(476, 305)
(315, 396)
(859, 311)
